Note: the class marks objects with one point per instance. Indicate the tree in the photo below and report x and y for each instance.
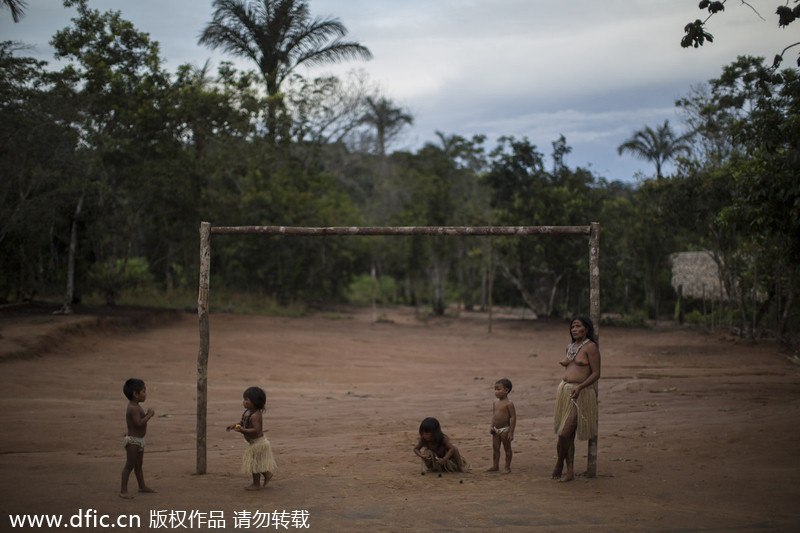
(658, 146)
(326, 110)
(128, 140)
(524, 193)
(37, 165)
(695, 33)
(470, 197)
(17, 8)
(756, 231)
(278, 36)
(621, 280)
(387, 120)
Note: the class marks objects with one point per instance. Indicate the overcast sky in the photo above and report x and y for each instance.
(592, 70)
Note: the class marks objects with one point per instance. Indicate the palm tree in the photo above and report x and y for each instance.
(279, 36)
(659, 145)
(387, 120)
(17, 8)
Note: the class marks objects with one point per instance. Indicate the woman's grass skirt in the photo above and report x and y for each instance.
(587, 409)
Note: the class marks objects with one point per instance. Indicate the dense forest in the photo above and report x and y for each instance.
(110, 163)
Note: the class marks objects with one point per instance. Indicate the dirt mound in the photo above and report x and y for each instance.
(33, 329)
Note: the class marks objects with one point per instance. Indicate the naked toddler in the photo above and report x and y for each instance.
(504, 422)
(136, 419)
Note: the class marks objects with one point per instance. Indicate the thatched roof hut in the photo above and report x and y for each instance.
(696, 275)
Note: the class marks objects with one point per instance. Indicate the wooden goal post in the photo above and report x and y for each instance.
(206, 230)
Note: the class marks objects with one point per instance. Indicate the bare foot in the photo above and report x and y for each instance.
(557, 474)
(147, 489)
(125, 495)
(566, 478)
(267, 477)
(507, 471)
(253, 487)
(493, 469)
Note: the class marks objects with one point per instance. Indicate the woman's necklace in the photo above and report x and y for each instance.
(572, 352)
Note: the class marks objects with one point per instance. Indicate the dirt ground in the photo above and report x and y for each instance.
(698, 431)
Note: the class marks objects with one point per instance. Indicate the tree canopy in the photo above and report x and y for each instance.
(110, 163)
(278, 36)
(658, 145)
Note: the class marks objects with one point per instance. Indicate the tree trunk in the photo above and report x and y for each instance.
(652, 301)
(66, 308)
(784, 314)
(551, 303)
(484, 281)
(527, 297)
(169, 279)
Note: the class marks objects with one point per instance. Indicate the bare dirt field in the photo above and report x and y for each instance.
(698, 431)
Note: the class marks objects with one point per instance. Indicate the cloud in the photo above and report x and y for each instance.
(594, 71)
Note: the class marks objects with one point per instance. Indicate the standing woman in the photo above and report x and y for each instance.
(576, 399)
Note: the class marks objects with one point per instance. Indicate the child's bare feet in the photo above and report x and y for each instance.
(493, 469)
(556, 473)
(507, 471)
(125, 495)
(147, 489)
(568, 477)
(267, 477)
(253, 487)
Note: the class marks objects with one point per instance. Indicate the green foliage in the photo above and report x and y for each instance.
(37, 165)
(387, 120)
(278, 36)
(695, 317)
(360, 290)
(185, 299)
(110, 164)
(17, 8)
(658, 145)
(695, 33)
(255, 303)
(632, 320)
(118, 274)
(545, 272)
(744, 188)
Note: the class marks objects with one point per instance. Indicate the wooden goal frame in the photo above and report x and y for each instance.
(206, 230)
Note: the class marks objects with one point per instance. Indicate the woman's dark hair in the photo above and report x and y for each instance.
(132, 386)
(257, 397)
(590, 333)
(432, 426)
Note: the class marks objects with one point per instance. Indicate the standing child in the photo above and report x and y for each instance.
(504, 421)
(436, 451)
(136, 419)
(257, 459)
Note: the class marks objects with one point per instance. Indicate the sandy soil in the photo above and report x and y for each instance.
(698, 432)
